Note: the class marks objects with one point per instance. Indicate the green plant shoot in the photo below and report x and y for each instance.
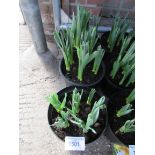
(126, 109)
(54, 101)
(84, 58)
(91, 95)
(62, 121)
(131, 97)
(94, 114)
(91, 37)
(129, 126)
(98, 59)
(64, 40)
(126, 48)
(119, 28)
(76, 98)
(75, 120)
(79, 25)
(125, 61)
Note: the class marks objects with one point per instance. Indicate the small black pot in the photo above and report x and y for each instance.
(52, 112)
(116, 101)
(69, 82)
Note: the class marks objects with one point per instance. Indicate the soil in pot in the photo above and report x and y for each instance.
(88, 76)
(114, 104)
(74, 130)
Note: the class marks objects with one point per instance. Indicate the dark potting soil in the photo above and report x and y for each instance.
(88, 76)
(74, 130)
(114, 104)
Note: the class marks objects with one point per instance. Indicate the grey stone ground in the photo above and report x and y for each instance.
(39, 76)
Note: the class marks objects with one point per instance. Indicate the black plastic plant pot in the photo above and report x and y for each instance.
(103, 40)
(106, 85)
(109, 88)
(73, 130)
(89, 79)
(117, 87)
(114, 104)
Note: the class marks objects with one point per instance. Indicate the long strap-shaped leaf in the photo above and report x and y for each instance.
(131, 97)
(126, 109)
(98, 59)
(94, 114)
(59, 38)
(126, 72)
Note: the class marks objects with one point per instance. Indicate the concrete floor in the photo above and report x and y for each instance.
(39, 76)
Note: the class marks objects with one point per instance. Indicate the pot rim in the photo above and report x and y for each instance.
(118, 87)
(82, 84)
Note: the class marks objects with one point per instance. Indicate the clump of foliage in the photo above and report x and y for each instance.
(64, 40)
(62, 120)
(79, 25)
(91, 95)
(85, 57)
(92, 116)
(125, 61)
(117, 33)
(76, 98)
(83, 38)
(126, 109)
(129, 126)
(68, 115)
(54, 101)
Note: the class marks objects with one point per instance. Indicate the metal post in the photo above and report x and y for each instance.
(57, 13)
(22, 15)
(31, 11)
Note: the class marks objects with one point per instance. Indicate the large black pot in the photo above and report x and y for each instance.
(116, 101)
(107, 85)
(69, 82)
(52, 113)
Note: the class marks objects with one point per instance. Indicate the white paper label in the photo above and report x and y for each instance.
(131, 149)
(75, 143)
(121, 153)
